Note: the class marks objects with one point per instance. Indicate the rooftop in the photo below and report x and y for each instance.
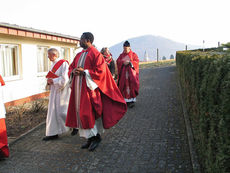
(31, 30)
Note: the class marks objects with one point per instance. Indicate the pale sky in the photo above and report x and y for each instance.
(113, 21)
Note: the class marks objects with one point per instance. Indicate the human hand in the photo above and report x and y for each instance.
(78, 71)
(50, 81)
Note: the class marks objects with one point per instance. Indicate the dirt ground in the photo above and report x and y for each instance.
(22, 118)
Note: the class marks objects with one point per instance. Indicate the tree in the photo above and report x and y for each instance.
(226, 45)
(163, 58)
(171, 56)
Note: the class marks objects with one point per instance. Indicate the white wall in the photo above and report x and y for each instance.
(29, 83)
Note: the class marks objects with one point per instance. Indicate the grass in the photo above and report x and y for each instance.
(152, 64)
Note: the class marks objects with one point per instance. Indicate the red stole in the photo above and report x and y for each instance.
(106, 101)
(51, 73)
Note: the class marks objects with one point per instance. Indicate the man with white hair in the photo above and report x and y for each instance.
(57, 79)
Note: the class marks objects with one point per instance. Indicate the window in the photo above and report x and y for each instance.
(64, 53)
(75, 51)
(42, 59)
(9, 60)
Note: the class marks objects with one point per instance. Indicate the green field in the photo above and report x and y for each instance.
(153, 64)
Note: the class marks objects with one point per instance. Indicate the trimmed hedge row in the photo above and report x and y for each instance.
(205, 79)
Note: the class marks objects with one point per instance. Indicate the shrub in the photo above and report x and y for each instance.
(38, 105)
(205, 79)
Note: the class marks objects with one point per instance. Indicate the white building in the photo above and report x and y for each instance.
(24, 62)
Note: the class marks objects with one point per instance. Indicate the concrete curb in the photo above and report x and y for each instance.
(193, 154)
(25, 134)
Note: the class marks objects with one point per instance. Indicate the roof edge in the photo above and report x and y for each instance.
(14, 26)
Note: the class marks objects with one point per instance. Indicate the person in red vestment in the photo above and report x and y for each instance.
(109, 60)
(128, 74)
(4, 150)
(95, 99)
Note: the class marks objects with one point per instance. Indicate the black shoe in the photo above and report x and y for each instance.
(87, 144)
(47, 138)
(130, 104)
(74, 132)
(2, 157)
(94, 144)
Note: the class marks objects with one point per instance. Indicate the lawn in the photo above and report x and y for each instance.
(152, 64)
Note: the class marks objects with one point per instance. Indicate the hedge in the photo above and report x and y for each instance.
(205, 81)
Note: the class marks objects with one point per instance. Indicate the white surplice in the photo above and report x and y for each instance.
(58, 102)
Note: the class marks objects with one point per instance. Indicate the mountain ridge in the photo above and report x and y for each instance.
(148, 44)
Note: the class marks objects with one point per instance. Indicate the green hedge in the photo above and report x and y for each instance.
(205, 79)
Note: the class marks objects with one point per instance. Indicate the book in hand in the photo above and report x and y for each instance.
(126, 58)
(51, 75)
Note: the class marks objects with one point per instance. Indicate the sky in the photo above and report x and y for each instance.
(113, 21)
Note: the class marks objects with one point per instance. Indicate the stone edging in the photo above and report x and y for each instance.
(26, 133)
(193, 154)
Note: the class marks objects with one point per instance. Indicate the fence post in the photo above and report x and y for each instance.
(203, 45)
(157, 54)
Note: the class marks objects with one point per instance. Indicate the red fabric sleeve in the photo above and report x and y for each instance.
(2, 81)
(3, 138)
(135, 62)
(119, 66)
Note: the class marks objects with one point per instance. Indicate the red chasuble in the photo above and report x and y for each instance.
(105, 101)
(128, 76)
(4, 150)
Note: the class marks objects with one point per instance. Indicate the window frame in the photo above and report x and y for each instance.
(18, 63)
(67, 53)
(43, 73)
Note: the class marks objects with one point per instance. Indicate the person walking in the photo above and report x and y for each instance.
(128, 74)
(95, 101)
(57, 78)
(109, 60)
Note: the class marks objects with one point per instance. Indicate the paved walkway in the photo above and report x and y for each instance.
(150, 138)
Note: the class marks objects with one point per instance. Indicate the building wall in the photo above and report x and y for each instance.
(29, 82)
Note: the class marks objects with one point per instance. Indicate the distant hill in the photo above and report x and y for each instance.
(149, 44)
